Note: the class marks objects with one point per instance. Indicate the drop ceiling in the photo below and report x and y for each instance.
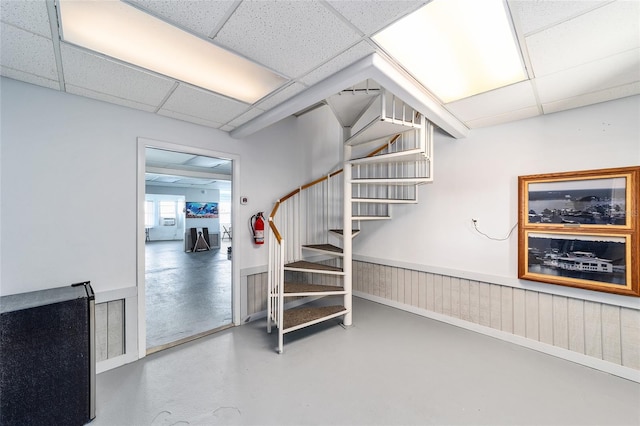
(576, 53)
(184, 170)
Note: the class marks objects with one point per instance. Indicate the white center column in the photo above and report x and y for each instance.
(347, 237)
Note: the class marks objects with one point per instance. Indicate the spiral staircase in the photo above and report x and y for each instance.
(387, 155)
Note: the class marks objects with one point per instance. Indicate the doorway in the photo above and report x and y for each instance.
(187, 283)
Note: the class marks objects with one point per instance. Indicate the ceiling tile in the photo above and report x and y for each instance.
(189, 118)
(291, 37)
(496, 102)
(88, 93)
(593, 98)
(282, 96)
(199, 16)
(196, 181)
(610, 29)
(613, 71)
(206, 162)
(206, 105)
(225, 168)
(536, 15)
(165, 158)
(504, 118)
(371, 16)
(166, 179)
(27, 52)
(99, 74)
(29, 78)
(336, 64)
(28, 15)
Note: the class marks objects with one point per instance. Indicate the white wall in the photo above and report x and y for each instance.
(68, 185)
(320, 135)
(477, 177)
(182, 223)
(68, 174)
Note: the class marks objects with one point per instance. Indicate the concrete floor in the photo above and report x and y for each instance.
(185, 293)
(390, 368)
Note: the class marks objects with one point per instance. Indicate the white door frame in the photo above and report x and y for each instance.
(140, 240)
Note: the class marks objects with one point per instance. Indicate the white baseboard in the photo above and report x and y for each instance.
(118, 361)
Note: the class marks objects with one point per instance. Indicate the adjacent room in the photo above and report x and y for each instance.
(320, 212)
(187, 246)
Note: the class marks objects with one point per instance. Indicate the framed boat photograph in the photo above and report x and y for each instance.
(606, 198)
(581, 229)
(593, 261)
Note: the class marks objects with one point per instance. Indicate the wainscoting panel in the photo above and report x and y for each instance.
(256, 293)
(110, 331)
(599, 330)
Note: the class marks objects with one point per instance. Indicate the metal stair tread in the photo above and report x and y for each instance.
(340, 232)
(369, 217)
(325, 248)
(303, 265)
(299, 288)
(410, 155)
(301, 317)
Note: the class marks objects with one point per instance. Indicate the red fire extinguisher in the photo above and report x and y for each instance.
(257, 228)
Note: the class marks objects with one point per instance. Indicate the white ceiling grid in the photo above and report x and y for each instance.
(197, 16)
(339, 62)
(199, 103)
(578, 52)
(100, 74)
(371, 16)
(28, 15)
(581, 52)
(290, 37)
(38, 60)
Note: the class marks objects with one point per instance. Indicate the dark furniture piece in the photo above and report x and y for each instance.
(47, 357)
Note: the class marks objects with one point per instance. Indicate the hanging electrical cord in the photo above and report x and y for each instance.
(475, 226)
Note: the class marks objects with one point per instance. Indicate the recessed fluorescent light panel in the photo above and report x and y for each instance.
(456, 48)
(124, 32)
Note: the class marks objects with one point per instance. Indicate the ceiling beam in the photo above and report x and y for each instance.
(55, 39)
(376, 68)
(186, 173)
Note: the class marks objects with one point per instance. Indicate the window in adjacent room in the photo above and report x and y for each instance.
(168, 213)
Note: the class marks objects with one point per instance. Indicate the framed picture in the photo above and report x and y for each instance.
(201, 210)
(581, 229)
(590, 199)
(592, 261)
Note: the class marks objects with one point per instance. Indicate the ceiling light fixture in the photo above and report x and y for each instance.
(456, 48)
(124, 32)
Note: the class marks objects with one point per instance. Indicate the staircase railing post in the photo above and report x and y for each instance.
(270, 272)
(280, 322)
(347, 237)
